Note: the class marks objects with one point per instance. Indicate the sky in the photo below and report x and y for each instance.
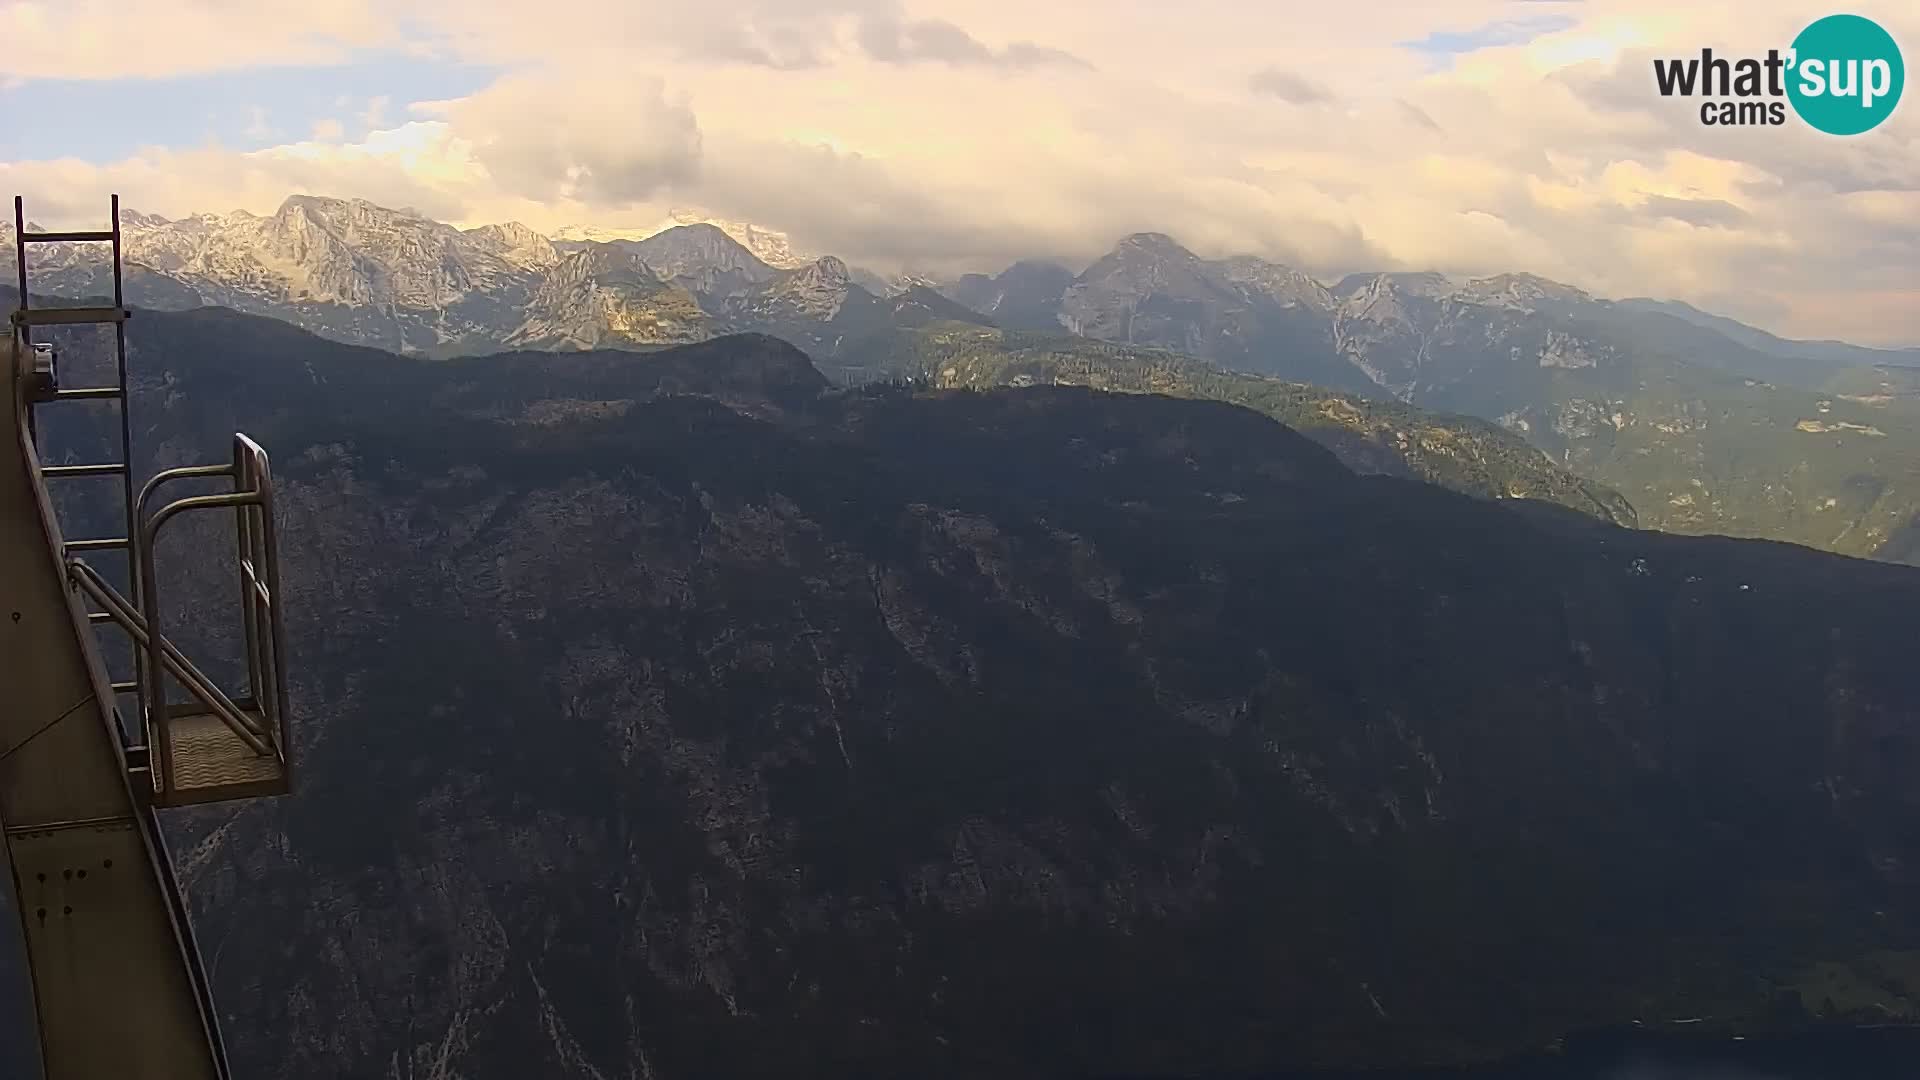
(1468, 136)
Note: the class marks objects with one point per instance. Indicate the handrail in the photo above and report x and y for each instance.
(147, 489)
(259, 552)
(97, 589)
(259, 558)
(135, 584)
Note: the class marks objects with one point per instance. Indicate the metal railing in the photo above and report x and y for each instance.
(257, 718)
(233, 714)
(257, 547)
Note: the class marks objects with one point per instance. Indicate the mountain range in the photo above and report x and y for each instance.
(681, 714)
(363, 274)
(1703, 424)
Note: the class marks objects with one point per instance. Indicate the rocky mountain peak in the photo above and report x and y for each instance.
(597, 259)
(1523, 290)
(828, 268)
(131, 220)
(691, 250)
(817, 290)
(1153, 241)
(1148, 260)
(701, 232)
(921, 305)
(516, 243)
(606, 295)
(1274, 280)
(893, 285)
(768, 245)
(1151, 248)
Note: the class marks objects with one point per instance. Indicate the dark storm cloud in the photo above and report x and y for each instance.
(1288, 87)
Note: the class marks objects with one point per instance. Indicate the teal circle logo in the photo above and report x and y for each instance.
(1846, 75)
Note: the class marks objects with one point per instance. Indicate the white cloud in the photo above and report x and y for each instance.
(546, 136)
(962, 136)
(111, 39)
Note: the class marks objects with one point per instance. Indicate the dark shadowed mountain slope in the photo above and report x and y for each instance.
(920, 306)
(671, 715)
(1369, 436)
(1816, 358)
(1025, 296)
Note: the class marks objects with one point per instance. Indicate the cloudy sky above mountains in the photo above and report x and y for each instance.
(1468, 135)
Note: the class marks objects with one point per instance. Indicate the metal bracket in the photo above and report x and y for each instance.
(43, 376)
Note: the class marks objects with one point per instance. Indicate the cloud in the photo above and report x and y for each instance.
(62, 39)
(422, 165)
(892, 134)
(778, 50)
(1703, 212)
(327, 130)
(1287, 86)
(546, 136)
(1442, 44)
(891, 39)
(1026, 54)
(1417, 115)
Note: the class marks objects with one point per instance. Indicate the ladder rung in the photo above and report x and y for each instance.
(128, 687)
(99, 616)
(111, 468)
(57, 316)
(65, 237)
(97, 545)
(88, 392)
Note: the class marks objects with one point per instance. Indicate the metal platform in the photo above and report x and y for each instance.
(211, 762)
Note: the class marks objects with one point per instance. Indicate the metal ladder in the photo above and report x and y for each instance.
(214, 747)
(25, 318)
